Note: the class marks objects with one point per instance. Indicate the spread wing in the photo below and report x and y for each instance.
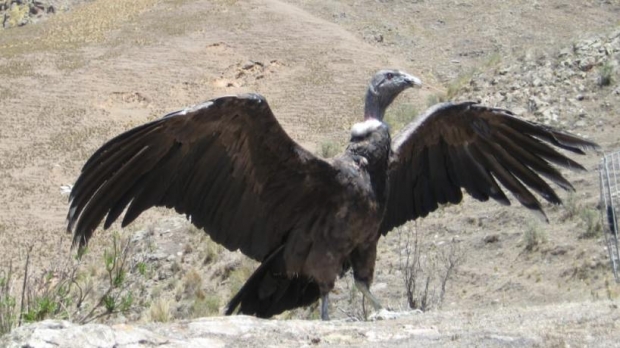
(468, 146)
(227, 164)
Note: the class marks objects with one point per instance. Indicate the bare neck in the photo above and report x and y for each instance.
(373, 107)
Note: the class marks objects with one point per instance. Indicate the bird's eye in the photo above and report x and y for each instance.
(389, 76)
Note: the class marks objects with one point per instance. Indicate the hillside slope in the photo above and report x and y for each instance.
(73, 81)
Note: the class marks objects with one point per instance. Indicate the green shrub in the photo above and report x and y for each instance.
(605, 77)
(329, 149)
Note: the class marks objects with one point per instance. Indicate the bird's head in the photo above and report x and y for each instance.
(371, 140)
(383, 88)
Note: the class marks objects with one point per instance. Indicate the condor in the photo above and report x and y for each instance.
(228, 165)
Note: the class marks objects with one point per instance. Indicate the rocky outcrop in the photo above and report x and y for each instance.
(553, 88)
(584, 324)
(16, 13)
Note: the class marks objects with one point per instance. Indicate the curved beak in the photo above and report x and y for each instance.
(412, 80)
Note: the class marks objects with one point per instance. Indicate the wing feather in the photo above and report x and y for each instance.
(111, 191)
(437, 171)
(512, 164)
(534, 145)
(467, 146)
(227, 164)
(476, 179)
(505, 177)
(533, 161)
(150, 188)
(110, 161)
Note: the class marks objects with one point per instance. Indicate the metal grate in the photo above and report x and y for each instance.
(610, 197)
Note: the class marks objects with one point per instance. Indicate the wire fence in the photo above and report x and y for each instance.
(610, 198)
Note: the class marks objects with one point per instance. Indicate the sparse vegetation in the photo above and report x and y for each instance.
(141, 267)
(212, 251)
(66, 291)
(591, 219)
(206, 306)
(400, 115)
(435, 98)
(160, 310)
(329, 149)
(8, 313)
(17, 15)
(88, 24)
(571, 206)
(454, 88)
(426, 272)
(605, 77)
(611, 291)
(493, 60)
(192, 284)
(239, 275)
(534, 235)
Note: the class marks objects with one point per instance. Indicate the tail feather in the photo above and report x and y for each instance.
(270, 290)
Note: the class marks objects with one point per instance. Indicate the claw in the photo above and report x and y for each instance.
(363, 287)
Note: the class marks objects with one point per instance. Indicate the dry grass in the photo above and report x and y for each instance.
(159, 311)
(534, 235)
(211, 251)
(14, 68)
(427, 268)
(192, 284)
(606, 75)
(239, 275)
(329, 149)
(207, 306)
(400, 115)
(571, 206)
(89, 23)
(454, 88)
(68, 289)
(591, 220)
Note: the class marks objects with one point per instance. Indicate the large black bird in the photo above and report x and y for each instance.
(228, 165)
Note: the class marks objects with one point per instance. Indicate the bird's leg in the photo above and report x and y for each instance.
(325, 307)
(324, 289)
(365, 289)
(363, 262)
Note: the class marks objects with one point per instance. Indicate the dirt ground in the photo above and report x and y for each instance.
(71, 82)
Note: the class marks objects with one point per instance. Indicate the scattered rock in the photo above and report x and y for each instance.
(586, 64)
(492, 238)
(385, 314)
(250, 64)
(537, 87)
(17, 13)
(559, 250)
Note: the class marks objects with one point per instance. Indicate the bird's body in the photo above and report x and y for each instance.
(229, 166)
(327, 245)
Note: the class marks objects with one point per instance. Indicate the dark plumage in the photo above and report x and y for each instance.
(229, 166)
